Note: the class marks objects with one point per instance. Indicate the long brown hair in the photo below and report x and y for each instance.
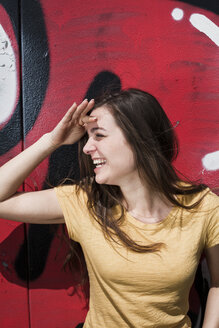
(152, 138)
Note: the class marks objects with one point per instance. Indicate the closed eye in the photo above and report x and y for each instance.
(98, 135)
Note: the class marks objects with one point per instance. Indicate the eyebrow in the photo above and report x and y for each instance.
(97, 128)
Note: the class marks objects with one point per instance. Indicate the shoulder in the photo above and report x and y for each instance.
(71, 193)
(73, 202)
(204, 208)
(203, 219)
(210, 201)
(65, 189)
(209, 211)
(206, 200)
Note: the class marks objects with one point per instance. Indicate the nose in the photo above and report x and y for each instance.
(89, 147)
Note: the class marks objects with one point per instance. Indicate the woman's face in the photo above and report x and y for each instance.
(109, 150)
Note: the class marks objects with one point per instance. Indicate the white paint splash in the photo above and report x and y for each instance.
(177, 14)
(211, 161)
(206, 26)
(8, 77)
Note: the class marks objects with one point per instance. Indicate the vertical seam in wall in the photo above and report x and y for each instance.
(20, 79)
(22, 131)
(20, 76)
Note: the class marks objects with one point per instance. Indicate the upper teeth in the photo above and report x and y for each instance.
(99, 161)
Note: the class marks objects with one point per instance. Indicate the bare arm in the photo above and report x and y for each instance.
(14, 172)
(41, 206)
(31, 207)
(211, 319)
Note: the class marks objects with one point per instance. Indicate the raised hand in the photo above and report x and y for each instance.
(71, 127)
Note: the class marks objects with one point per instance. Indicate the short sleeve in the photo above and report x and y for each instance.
(73, 205)
(212, 233)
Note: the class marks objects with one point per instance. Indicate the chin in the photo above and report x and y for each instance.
(105, 181)
(102, 180)
(99, 180)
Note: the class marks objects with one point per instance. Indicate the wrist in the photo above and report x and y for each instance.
(47, 142)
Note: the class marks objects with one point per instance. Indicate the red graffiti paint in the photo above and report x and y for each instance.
(141, 43)
(147, 48)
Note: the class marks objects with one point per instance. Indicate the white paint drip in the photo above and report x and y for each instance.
(177, 14)
(211, 161)
(8, 77)
(206, 26)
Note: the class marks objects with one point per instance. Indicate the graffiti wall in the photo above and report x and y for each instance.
(53, 53)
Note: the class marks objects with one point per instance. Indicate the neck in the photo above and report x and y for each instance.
(143, 203)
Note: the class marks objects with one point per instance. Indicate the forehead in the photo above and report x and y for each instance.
(101, 112)
(104, 118)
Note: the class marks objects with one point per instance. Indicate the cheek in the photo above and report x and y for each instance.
(128, 154)
(125, 158)
(130, 161)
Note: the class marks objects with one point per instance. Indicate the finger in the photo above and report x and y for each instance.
(83, 109)
(80, 109)
(68, 115)
(88, 107)
(88, 119)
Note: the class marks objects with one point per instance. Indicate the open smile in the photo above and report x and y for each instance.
(99, 162)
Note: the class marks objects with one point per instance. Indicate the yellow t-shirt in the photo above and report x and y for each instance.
(129, 289)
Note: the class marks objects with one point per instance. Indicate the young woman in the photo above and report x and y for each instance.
(142, 229)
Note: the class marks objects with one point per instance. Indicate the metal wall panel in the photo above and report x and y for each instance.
(71, 50)
(14, 295)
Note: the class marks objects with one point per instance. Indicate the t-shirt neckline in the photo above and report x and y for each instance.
(152, 226)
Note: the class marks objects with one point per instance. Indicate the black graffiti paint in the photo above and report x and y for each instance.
(80, 325)
(33, 81)
(212, 5)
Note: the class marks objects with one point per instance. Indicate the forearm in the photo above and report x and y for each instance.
(211, 319)
(15, 171)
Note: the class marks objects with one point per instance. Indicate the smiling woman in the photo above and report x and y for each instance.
(104, 146)
(141, 227)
